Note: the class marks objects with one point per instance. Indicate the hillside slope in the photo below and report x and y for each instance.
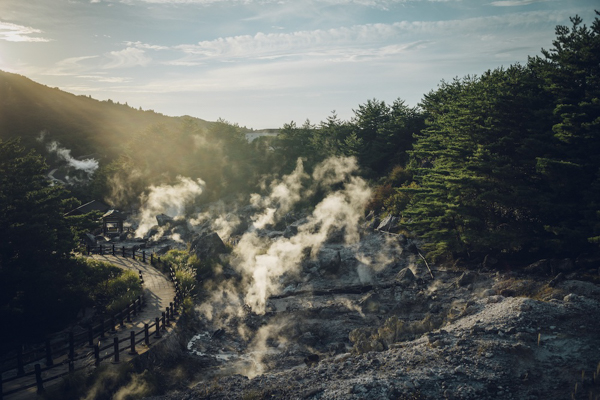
(80, 123)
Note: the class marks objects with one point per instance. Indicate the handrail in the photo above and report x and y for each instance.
(170, 314)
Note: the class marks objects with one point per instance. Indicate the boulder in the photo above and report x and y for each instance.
(388, 224)
(550, 267)
(371, 221)
(466, 278)
(207, 246)
(370, 303)
(292, 229)
(151, 232)
(405, 276)
(332, 266)
(181, 230)
(163, 219)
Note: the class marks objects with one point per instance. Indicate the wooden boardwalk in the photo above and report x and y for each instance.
(159, 293)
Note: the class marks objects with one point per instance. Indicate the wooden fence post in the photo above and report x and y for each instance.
(132, 344)
(38, 379)
(133, 253)
(113, 249)
(141, 303)
(144, 256)
(174, 308)
(157, 331)
(164, 328)
(146, 335)
(97, 355)
(167, 317)
(49, 361)
(113, 328)
(116, 348)
(123, 250)
(151, 258)
(100, 249)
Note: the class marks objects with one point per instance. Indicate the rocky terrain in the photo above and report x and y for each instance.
(371, 320)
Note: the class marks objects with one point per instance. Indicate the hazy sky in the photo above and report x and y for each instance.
(262, 63)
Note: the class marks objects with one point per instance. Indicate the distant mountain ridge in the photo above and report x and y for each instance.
(81, 123)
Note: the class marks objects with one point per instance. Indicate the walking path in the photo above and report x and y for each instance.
(158, 294)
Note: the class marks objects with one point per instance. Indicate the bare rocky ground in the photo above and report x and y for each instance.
(368, 321)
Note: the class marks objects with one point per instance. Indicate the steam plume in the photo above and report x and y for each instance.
(89, 165)
(167, 199)
(263, 262)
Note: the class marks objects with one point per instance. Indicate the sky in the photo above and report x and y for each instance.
(265, 63)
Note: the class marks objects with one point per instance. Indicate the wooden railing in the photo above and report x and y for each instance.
(122, 251)
(78, 351)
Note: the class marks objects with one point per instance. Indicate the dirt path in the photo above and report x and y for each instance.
(158, 294)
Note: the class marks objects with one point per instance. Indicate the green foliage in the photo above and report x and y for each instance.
(379, 136)
(218, 155)
(508, 162)
(81, 224)
(187, 268)
(82, 124)
(36, 269)
(475, 165)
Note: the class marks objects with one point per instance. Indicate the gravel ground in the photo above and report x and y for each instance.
(464, 335)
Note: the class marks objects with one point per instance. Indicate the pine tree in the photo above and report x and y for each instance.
(571, 74)
(475, 165)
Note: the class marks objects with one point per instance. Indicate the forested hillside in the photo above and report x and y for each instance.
(503, 164)
(80, 123)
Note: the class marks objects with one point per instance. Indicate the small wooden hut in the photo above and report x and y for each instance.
(112, 223)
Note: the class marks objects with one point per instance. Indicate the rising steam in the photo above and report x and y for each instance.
(262, 261)
(167, 199)
(88, 165)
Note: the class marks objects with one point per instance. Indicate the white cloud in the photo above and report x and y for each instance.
(19, 33)
(106, 79)
(127, 58)
(368, 3)
(513, 3)
(68, 66)
(140, 45)
(354, 43)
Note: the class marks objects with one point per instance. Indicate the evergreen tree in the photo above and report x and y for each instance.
(475, 165)
(571, 74)
(36, 242)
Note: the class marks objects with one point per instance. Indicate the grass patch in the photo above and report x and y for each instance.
(392, 331)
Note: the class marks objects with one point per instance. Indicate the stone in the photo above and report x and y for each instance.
(333, 265)
(370, 303)
(388, 224)
(207, 246)
(405, 276)
(557, 279)
(163, 219)
(465, 279)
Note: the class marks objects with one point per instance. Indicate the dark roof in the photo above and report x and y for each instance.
(93, 205)
(114, 214)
